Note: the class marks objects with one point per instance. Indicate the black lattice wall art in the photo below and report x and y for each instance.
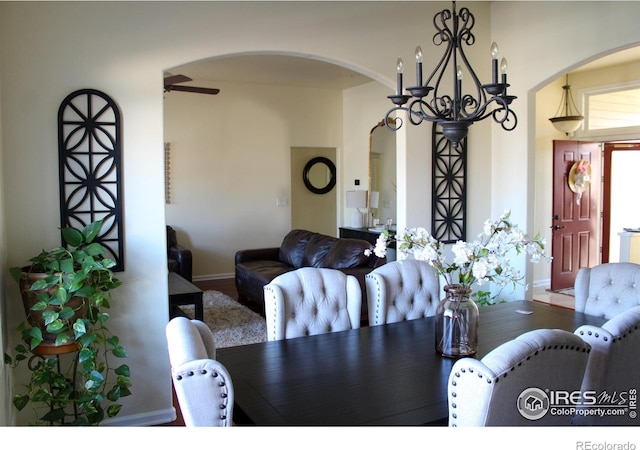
(89, 152)
(449, 189)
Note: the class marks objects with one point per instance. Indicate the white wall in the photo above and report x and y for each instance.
(122, 49)
(230, 161)
(542, 40)
(547, 100)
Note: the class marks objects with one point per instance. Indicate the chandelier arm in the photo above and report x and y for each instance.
(503, 115)
(420, 107)
(505, 122)
(443, 35)
(394, 123)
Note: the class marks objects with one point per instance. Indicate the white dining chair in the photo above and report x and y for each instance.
(612, 377)
(508, 386)
(607, 289)
(402, 290)
(310, 301)
(202, 385)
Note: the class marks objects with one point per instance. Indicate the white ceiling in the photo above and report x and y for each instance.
(271, 69)
(306, 72)
(621, 57)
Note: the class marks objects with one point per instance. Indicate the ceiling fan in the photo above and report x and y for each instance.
(171, 84)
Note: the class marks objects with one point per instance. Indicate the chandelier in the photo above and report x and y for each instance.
(570, 121)
(456, 111)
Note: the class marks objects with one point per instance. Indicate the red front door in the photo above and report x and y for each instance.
(575, 221)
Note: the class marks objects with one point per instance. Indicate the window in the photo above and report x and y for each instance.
(612, 107)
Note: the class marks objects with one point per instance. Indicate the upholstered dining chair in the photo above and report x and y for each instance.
(310, 301)
(509, 385)
(402, 290)
(614, 366)
(608, 289)
(202, 385)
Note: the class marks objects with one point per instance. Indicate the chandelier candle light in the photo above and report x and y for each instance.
(454, 112)
(481, 261)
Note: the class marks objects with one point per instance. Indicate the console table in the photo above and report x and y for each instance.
(359, 233)
(369, 236)
(182, 292)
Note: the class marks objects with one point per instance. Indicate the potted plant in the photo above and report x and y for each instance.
(66, 292)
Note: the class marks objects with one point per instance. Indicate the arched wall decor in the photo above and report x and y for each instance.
(89, 155)
(449, 188)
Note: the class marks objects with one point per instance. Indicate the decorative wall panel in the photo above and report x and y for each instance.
(449, 188)
(89, 152)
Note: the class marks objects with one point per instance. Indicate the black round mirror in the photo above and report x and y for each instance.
(319, 175)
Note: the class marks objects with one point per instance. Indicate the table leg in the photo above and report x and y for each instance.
(199, 312)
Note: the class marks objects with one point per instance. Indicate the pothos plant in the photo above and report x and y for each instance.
(67, 292)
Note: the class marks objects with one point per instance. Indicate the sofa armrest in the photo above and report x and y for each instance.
(184, 258)
(258, 254)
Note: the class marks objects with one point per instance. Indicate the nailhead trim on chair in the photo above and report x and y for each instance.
(605, 338)
(504, 375)
(224, 396)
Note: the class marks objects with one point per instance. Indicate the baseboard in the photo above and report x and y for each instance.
(220, 276)
(542, 283)
(147, 419)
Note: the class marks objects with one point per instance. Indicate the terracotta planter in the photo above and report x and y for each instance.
(35, 318)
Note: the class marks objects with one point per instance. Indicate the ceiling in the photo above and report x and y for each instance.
(307, 72)
(271, 69)
(621, 57)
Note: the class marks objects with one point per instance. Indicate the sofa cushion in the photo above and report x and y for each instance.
(346, 253)
(252, 274)
(317, 249)
(293, 247)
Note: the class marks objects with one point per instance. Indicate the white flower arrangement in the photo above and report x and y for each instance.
(480, 261)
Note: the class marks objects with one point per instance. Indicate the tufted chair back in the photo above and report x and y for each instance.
(202, 385)
(402, 290)
(310, 301)
(608, 289)
(614, 366)
(489, 392)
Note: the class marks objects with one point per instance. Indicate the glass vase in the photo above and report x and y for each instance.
(457, 323)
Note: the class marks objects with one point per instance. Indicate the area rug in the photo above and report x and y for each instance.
(567, 291)
(232, 323)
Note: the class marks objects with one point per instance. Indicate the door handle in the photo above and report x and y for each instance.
(556, 227)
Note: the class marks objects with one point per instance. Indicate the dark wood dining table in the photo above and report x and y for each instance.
(380, 375)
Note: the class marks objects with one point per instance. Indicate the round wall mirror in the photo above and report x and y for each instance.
(319, 175)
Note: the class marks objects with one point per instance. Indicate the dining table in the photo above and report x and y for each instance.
(379, 375)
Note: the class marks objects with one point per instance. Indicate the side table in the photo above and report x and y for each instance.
(182, 292)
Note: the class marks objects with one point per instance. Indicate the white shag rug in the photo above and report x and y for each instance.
(232, 323)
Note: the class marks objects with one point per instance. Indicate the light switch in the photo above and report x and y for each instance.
(281, 202)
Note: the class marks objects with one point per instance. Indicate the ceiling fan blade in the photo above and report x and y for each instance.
(194, 89)
(173, 79)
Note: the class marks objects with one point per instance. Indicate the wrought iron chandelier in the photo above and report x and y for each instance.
(453, 112)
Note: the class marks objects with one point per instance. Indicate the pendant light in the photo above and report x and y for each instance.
(570, 121)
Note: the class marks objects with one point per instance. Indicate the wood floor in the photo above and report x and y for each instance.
(226, 286)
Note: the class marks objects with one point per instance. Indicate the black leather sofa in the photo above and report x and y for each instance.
(255, 268)
(179, 258)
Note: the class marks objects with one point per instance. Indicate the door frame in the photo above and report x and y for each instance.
(609, 148)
